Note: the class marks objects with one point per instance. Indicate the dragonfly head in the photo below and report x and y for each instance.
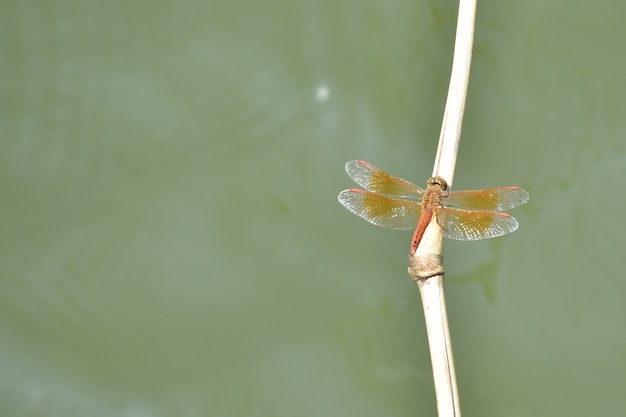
(439, 182)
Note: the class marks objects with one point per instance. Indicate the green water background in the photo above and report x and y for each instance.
(170, 239)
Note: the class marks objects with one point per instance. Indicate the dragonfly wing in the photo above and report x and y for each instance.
(474, 225)
(378, 181)
(491, 199)
(388, 212)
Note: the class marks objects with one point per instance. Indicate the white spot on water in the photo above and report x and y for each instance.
(322, 94)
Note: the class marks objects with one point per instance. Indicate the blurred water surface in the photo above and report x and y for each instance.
(171, 242)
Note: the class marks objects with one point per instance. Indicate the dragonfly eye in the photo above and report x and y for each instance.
(438, 181)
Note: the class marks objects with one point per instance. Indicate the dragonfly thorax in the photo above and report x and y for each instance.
(432, 198)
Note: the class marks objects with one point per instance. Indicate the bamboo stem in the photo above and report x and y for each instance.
(431, 248)
(433, 300)
(449, 138)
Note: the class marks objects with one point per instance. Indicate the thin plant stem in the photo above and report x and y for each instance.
(433, 301)
(445, 161)
(431, 247)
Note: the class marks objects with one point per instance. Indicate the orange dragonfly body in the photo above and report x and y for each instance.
(394, 203)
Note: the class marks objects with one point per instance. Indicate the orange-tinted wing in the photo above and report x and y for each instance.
(389, 212)
(378, 181)
(491, 199)
(474, 225)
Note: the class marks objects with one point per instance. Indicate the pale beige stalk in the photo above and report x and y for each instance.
(426, 264)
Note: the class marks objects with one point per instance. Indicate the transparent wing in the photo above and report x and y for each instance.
(378, 181)
(491, 199)
(474, 225)
(392, 213)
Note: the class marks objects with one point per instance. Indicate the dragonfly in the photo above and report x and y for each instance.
(394, 203)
